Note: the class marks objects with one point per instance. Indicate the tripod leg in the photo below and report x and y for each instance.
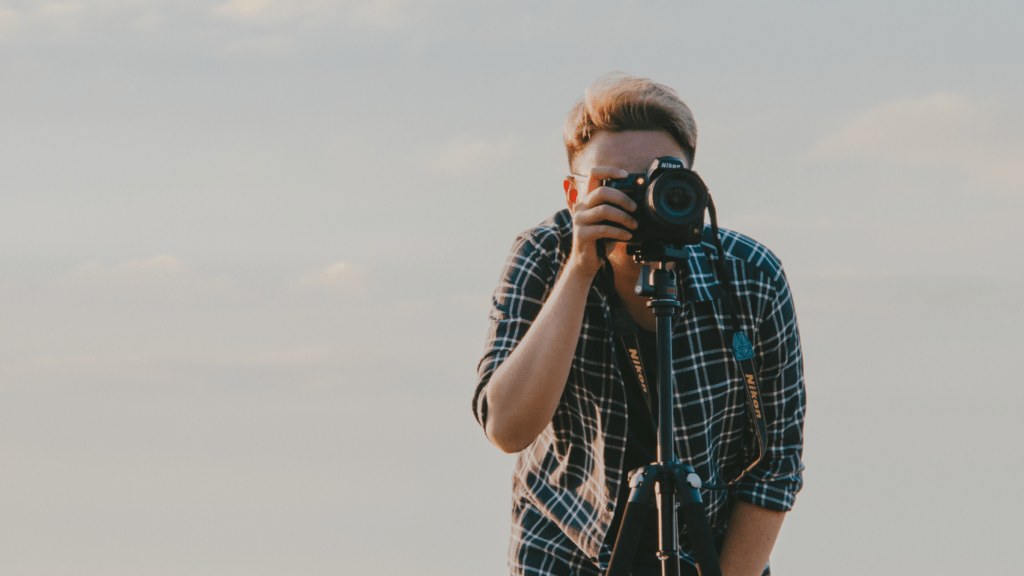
(633, 518)
(668, 536)
(696, 520)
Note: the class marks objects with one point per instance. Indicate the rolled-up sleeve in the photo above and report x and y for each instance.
(526, 281)
(773, 484)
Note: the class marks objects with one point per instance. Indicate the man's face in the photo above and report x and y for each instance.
(632, 151)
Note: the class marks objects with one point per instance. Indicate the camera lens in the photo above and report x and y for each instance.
(676, 199)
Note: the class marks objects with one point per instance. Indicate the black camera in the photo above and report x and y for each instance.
(670, 199)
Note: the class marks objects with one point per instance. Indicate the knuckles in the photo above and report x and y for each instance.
(600, 213)
(606, 195)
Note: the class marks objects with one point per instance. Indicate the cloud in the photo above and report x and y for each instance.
(157, 267)
(46, 22)
(886, 275)
(267, 46)
(63, 8)
(982, 140)
(80, 365)
(73, 365)
(465, 156)
(906, 132)
(226, 24)
(244, 9)
(374, 14)
(339, 275)
(165, 277)
(832, 223)
(9, 20)
(390, 14)
(271, 11)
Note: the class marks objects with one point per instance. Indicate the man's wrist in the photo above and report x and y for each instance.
(578, 275)
(582, 268)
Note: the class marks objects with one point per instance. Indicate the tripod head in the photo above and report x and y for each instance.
(660, 286)
(649, 252)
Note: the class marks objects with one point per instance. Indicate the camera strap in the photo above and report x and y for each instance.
(743, 352)
(625, 330)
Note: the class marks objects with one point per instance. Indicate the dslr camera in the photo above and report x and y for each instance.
(670, 200)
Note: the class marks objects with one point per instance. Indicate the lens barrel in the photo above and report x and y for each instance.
(675, 199)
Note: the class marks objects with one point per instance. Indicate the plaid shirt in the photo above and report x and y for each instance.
(565, 483)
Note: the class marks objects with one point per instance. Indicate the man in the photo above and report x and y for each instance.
(550, 387)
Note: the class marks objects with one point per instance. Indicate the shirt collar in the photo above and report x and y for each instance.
(702, 283)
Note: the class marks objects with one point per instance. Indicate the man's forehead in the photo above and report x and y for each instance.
(631, 150)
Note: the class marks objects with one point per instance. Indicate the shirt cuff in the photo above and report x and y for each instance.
(777, 495)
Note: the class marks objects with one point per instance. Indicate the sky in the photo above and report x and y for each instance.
(247, 250)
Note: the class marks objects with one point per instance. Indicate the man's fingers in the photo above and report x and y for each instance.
(603, 213)
(603, 231)
(600, 173)
(600, 222)
(606, 195)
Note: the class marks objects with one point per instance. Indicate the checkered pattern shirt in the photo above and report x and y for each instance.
(565, 483)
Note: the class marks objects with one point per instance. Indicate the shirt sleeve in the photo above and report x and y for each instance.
(525, 283)
(773, 484)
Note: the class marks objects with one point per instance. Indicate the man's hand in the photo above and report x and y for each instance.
(592, 215)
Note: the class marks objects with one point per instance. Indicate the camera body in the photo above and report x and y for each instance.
(671, 200)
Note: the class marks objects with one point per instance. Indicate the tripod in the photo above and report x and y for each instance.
(675, 484)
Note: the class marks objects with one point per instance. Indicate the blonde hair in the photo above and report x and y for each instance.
(617, 102)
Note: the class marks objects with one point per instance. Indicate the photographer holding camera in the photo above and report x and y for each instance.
(557, 385)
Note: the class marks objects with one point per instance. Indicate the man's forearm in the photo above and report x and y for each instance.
(524, 392)
(749, 539)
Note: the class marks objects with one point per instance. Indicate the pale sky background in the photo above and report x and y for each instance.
(247, 249)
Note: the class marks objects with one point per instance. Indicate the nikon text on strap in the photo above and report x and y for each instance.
(626, 330)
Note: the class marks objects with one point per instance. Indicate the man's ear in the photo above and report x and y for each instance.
(570, 192)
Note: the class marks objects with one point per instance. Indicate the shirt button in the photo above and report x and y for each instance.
(609, 507)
